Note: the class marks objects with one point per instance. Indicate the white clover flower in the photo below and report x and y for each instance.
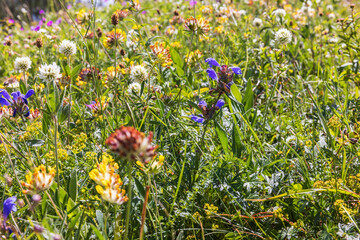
(134, 88)
(67, 48)
(279, 13)
(132, 39)
(329, 7)
(257, 22)
(138, 73)
(331, 16)
(49, 72)
(283, 36)
(240, 13)
(333, 40)
(22, 64)
(23, 10)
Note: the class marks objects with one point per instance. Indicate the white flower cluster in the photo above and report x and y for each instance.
(283, 36)
(22, 64)
(138, 73)
(49, 72)
(67, 48)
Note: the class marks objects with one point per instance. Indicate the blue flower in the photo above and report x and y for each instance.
(202, 104)
(207, 113)
(236, 70)
(9, 206)
(212, 62)
(198, 119)
(223, 69)
(211, 73)
(17, 101)
(220, 103)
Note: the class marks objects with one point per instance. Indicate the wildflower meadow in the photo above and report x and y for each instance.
(184, 119)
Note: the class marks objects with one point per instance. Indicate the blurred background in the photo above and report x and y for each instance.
(12, 8)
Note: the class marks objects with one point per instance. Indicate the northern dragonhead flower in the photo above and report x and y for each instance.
(207, 112)
(17, 101)
(224, 76)
(9, 206)
(132, 144)
(39, 180)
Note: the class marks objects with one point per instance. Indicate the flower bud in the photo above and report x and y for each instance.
(39, 42)
(114, 19)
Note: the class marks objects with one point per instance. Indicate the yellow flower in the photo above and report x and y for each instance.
(162, 53)
(39, 180)
(109, 182)
(113, 38)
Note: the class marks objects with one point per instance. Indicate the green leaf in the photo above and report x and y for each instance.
(97, 232)
(63, 113)
(236, 93)
(75, 71)
(46, 121)
(100, 218)
(73, 186)
(176, 58)
(248, 100)
(35, 143)
(222, 136)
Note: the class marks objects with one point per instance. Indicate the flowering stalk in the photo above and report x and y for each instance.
(143, 213)
(56, 151)
(70, 99)
(128, 206)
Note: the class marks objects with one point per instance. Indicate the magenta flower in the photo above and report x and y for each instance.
(11, 21)
(58, 21)
(193, 3)
(49, 24)
(41, 12)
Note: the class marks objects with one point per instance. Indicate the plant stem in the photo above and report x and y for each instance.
(143, 213)
(128, 206)
(70, 100)
(56, 151)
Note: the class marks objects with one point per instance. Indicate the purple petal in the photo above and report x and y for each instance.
(197, 119)
(37, 28)
(202, 104)
(9, 206)
(69, 6)
(15, 95)
(29, 93)
(5, 94)
(49, 24)
(211, 72)
(58, 21)
(41, 11)
(4, 102)
(192, 3)
(212, 62)
(220, 103)
(143, 12)
(11, 21)
(236, 70)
